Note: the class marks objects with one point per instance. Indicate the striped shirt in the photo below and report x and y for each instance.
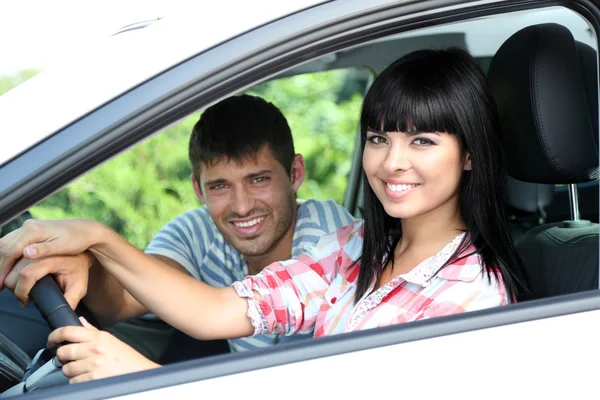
(315, 292)
(193, 240)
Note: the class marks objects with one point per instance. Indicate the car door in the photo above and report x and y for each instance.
(536, 348)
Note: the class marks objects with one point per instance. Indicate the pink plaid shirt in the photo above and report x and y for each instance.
(316, 291)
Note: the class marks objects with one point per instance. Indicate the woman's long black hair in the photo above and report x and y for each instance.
(443, 91)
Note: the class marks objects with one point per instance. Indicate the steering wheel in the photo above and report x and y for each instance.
(44, 370)
(52, 304)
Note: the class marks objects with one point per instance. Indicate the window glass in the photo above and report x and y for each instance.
(139, 191)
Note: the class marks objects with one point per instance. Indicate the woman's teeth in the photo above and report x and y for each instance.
(400, 188)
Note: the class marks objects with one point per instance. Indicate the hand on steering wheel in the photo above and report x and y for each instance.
(52, 304)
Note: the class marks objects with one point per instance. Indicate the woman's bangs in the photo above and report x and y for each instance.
(409, 105)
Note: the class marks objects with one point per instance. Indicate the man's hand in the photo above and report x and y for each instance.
(95, 354)
(37, 239)
(70, 272)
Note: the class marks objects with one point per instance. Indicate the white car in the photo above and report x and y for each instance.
(73, 117)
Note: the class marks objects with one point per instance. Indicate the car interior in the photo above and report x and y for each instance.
(544, 77)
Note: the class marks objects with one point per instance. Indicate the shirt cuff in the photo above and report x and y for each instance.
(254, 312)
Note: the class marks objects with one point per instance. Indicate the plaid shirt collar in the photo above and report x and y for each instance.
(424, 273)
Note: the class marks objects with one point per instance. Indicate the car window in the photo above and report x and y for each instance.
(139, 191)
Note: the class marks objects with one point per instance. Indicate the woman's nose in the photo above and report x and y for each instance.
(396, 158)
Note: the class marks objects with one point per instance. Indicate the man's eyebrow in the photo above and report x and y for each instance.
(212, 182)
(257, 173)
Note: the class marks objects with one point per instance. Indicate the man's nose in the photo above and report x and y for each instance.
(242, 202)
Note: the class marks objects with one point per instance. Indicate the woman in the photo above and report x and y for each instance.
(434, 240)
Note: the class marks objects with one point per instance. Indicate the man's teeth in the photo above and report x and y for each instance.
(400, 188)
(249, 223)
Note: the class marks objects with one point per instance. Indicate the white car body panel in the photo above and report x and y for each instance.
(513, 361)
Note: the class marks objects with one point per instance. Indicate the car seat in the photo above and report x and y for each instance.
(527, 203)
(545, 87)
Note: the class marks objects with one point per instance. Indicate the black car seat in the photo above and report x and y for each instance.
(542, 82)
(527, 203)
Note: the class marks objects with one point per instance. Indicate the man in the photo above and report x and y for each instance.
(246, 173)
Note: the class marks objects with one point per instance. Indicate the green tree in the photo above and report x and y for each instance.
(140, 190)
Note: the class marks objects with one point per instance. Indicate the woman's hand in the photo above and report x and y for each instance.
(95, 354)
(70, 272)
(37, 239)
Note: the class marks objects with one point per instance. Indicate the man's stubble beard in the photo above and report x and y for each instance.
(266, 241)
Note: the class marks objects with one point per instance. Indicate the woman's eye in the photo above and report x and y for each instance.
(423, 142)
(377, 140)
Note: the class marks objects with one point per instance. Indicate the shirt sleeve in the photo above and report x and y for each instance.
(285, 298)
(183, 240)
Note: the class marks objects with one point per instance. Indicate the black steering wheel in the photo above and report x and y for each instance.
(52, 304)
(44, 370)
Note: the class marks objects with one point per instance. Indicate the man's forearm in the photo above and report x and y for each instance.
(107, 299)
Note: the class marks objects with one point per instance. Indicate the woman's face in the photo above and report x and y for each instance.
(414, 173)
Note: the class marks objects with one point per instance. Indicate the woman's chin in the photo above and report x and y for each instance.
(399, 212)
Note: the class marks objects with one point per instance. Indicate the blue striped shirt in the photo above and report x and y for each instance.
(193, 240)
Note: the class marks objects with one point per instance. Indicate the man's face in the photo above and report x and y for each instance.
(252, 201)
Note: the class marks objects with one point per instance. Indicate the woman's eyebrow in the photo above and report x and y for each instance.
(412, 132)
(419, 132)
(376, 131)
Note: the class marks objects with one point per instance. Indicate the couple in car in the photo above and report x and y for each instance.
(256, 266)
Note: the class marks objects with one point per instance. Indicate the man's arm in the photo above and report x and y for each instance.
(108, 300)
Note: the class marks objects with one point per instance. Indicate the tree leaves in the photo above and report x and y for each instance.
(139, 191)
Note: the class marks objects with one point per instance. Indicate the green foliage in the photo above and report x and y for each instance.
(324, 126)
(139, 191)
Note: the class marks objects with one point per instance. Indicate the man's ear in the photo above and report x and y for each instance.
(297, 172)
(468, 162)
(197, 189)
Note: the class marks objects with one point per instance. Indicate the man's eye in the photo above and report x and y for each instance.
(260, 179)
(217, 187)
(423, 142)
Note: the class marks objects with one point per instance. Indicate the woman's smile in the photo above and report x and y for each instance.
(399, 190)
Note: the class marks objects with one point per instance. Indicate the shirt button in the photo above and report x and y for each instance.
(333, 300)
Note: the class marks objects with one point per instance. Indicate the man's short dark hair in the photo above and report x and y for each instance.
(237, 128)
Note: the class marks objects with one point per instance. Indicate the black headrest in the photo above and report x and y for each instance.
(540, 91)
(529, 197)
(587, 62)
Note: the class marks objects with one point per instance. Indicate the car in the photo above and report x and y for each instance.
(72, 118)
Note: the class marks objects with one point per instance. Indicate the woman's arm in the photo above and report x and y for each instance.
(192, 306)
(200, 310)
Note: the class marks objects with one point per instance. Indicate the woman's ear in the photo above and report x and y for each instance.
(467, 162)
